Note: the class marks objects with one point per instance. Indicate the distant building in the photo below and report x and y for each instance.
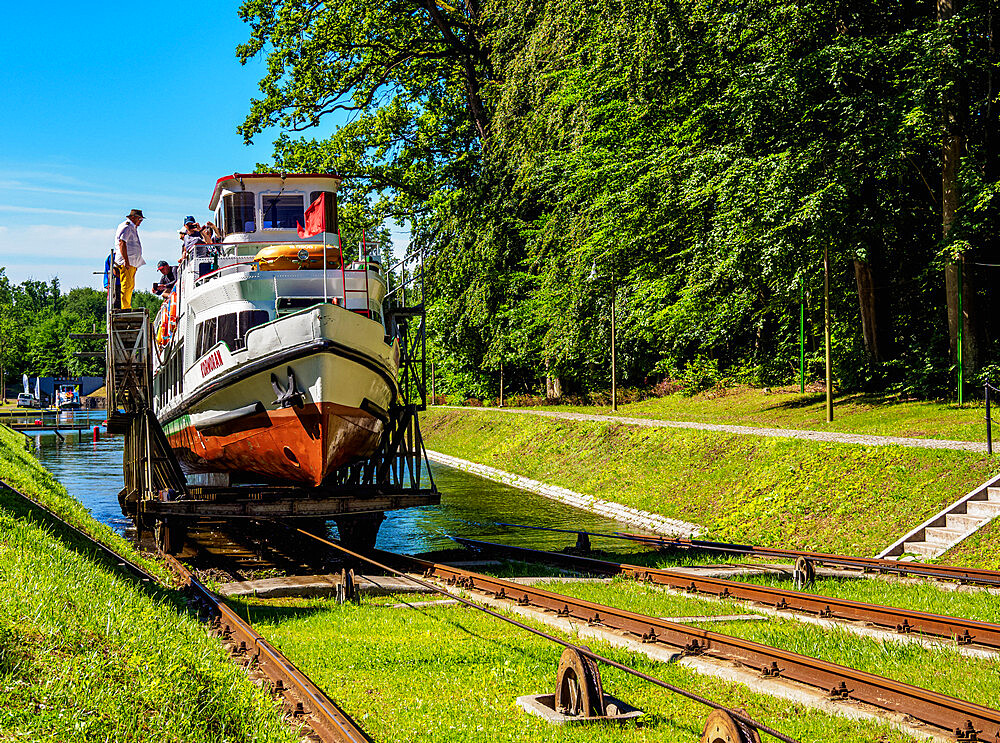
(84, 385)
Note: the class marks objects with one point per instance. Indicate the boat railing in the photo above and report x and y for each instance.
(228, 260)
(229, 268)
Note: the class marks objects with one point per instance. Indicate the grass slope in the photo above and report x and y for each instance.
(787, 408)
(86, 655)
(798, 494)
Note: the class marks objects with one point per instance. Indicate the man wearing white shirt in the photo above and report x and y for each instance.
(128, 255)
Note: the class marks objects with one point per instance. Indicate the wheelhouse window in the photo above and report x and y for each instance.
(231, 329)
(281, 212)
(226, 330)
(238, 210)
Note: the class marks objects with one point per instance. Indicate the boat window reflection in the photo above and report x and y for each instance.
(238, 209)
(282, 212)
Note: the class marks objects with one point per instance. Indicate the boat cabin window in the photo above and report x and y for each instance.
(230, 329)
(238, 211)
(226, 330)
(281, 212)
(206, 337)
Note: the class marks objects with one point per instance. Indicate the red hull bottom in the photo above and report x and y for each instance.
(300, 445)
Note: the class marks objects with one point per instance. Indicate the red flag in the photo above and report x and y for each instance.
(315, 218)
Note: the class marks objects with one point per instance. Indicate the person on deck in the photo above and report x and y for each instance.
(128, 257)
(192, 237)
(167, 279)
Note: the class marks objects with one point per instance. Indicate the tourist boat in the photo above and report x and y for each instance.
(271, 359)
(67, 397)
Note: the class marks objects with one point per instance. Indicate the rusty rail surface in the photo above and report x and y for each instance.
(967, 721)
(978, 576)
(587, 652)
(326, 719)
(939, 710)
(303, 697)
(904, 621)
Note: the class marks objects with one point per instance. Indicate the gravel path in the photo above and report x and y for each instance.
(783, 433)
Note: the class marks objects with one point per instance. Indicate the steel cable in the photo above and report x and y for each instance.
(565, 643)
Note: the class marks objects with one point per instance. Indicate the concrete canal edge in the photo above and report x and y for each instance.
(645, 519)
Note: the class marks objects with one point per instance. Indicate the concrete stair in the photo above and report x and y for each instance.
(949, 527)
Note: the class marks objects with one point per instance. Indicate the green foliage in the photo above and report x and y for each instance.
(36, 320)
(688, 161)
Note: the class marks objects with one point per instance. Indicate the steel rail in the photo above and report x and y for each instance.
(978, 576)
(558, 640)
(334, 723)
(904, 621)
(966, 720)
(933, 708)
(328, 720)
(931, 570)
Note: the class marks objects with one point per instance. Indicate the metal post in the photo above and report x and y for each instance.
(961, 322)
(802, 335)
(501, 384)
(325, 291)
(433, 393)
(989, 421)
(614, 371)
(343, 274)
(826, 332)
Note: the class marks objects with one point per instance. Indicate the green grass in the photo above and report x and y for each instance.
(978, 551)
(85, 655)
(942, 670)
(449, 674)
(785, 407)
(20, 470)
(780, 492)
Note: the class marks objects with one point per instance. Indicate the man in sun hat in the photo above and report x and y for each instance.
(128, 256)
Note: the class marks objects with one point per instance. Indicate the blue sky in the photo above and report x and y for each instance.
(109, 107)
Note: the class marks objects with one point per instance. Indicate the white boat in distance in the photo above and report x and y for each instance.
(272, 363)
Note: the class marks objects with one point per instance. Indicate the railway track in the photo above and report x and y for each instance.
(977, 576)
(303, 700)
(964, 720)
(903, 621)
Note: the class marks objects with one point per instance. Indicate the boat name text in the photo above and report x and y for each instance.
(213, 362)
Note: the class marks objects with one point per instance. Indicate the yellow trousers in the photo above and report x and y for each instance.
(128, 285)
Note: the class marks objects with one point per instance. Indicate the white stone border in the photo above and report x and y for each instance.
(645, 519)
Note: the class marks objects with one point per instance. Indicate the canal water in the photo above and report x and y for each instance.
(472, 507)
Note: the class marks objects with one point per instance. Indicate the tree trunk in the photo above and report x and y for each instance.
(953, 144)
(553, 385)
(870, 326)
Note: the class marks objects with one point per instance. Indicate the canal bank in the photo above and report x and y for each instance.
(444, 674)
(785, 492)
(86, 654)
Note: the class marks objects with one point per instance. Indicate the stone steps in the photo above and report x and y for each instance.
(950, 526)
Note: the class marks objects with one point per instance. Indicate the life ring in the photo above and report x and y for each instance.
(166, 319)
(295, 257)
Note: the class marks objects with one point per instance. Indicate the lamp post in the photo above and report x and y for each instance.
(826, 332)
(614, 370)
(802, 335)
